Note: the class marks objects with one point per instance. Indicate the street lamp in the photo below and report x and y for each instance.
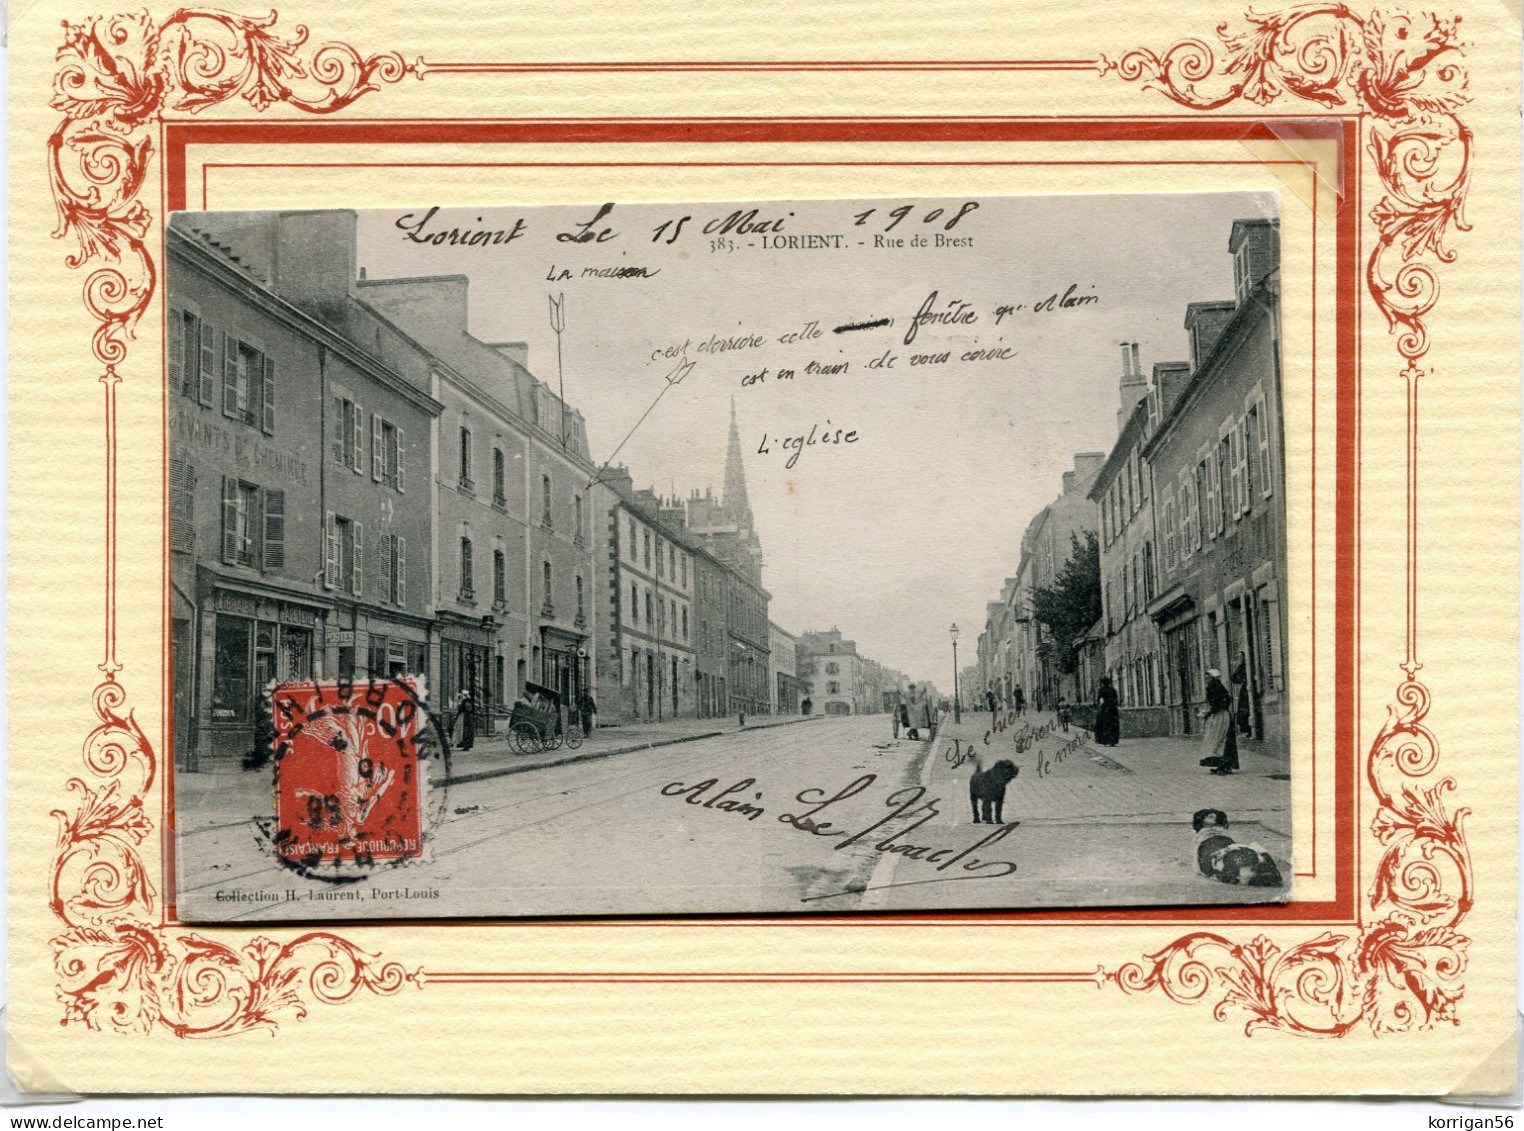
(957, 705)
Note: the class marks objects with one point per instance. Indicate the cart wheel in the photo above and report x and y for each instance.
(573, 738)
(552, 740)
(526, 739)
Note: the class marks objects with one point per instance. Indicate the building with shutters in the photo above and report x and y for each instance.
(1123, 496)
(299, 510)
(830, 672)
(654, 569)
(1219, 502)
(512, 479)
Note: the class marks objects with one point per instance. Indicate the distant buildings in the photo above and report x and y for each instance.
(1189, 506)
(782, 662)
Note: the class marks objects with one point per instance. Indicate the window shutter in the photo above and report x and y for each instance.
(269, 397)
(275, 529)
(401, 571)
(357, 576)
(207, 388)
(177, 351)
(230, 377)
(338, 430)
(331, 551)
(377, 451)
(1264, 448)
(1213, 511)
(397, 468)
(182, 499)
(1244, 463)
(1235, 477)
(1250, 448)
(384, 552)
(357, 452)
(229, 520)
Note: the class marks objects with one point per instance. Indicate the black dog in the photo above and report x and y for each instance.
(986, 789)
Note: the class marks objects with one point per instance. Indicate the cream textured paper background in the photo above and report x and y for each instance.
(730, 1036)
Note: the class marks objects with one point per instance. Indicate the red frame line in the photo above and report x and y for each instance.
(178, 136)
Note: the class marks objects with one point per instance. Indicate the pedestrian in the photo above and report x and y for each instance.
(1241, 692)
(743, 720)
(989, 699)
(808, 705)
(1063, 712)
(1219, 726)
(910, 714)
(465, 720)
(1021, 701)
(587, 708)
(1108, 716)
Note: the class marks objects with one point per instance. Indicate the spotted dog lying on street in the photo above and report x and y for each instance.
(986, 789)
(1220, 856)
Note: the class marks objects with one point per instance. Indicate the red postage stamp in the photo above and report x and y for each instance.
(348, 784)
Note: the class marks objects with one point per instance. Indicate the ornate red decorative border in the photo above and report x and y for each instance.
(121, 968)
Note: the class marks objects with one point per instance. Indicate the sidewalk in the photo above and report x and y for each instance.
(1140, 779)
(212, 800)
(494, 756)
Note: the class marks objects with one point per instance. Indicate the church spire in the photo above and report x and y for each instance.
(735, 500)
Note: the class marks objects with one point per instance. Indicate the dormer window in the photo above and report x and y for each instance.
(1243, 281)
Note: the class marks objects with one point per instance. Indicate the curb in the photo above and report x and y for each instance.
(594, 755)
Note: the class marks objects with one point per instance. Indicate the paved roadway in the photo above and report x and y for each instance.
(656, 832)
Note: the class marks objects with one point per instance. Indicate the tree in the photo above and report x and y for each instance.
(1072, 604)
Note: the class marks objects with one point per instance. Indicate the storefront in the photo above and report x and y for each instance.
(247, 641)
(563, 664)
(467, 649)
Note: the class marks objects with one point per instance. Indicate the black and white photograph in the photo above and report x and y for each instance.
(785, 557)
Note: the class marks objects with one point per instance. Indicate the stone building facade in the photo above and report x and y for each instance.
(1216, 456)
(300, 532)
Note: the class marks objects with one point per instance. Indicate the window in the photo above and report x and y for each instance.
(685, 571)
(581, 609)
(1171, 546)
(499, 478)
(1235, 469)
(832, 668)
(650, 615)
(545, 517)
(578, 517)
(499, 578)
(345, 556)
(661, 569)
(240, 508)
(1224, 479)
(465, 458)
(1148, 571)
(467, 571)
(672, 561)
(550, 589)
(385, 451)
(348, 434)
(1261, 430)
(184, 353)
(632, 540)
(833, 687)
(685, 622)
(1188, 515)
(634, 603)
(648, 550)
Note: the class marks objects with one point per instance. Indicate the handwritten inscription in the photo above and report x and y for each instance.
(888, 836)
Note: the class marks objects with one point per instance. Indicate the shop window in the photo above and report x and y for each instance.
(232, 679)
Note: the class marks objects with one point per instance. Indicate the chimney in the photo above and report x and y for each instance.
(1134, 388)
(1087, 465)
(619, 479)
(315, 258)
(516, 352)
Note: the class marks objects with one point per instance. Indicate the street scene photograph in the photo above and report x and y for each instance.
(775, 557)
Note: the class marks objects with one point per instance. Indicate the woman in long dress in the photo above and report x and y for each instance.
(1219, 722)
(1108, 717)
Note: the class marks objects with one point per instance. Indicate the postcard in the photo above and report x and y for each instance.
(593, 543)
(446, 642)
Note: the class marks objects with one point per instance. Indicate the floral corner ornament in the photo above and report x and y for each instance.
(1402, 966)
(117, 76)
(1405, 71)
(119, 969)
